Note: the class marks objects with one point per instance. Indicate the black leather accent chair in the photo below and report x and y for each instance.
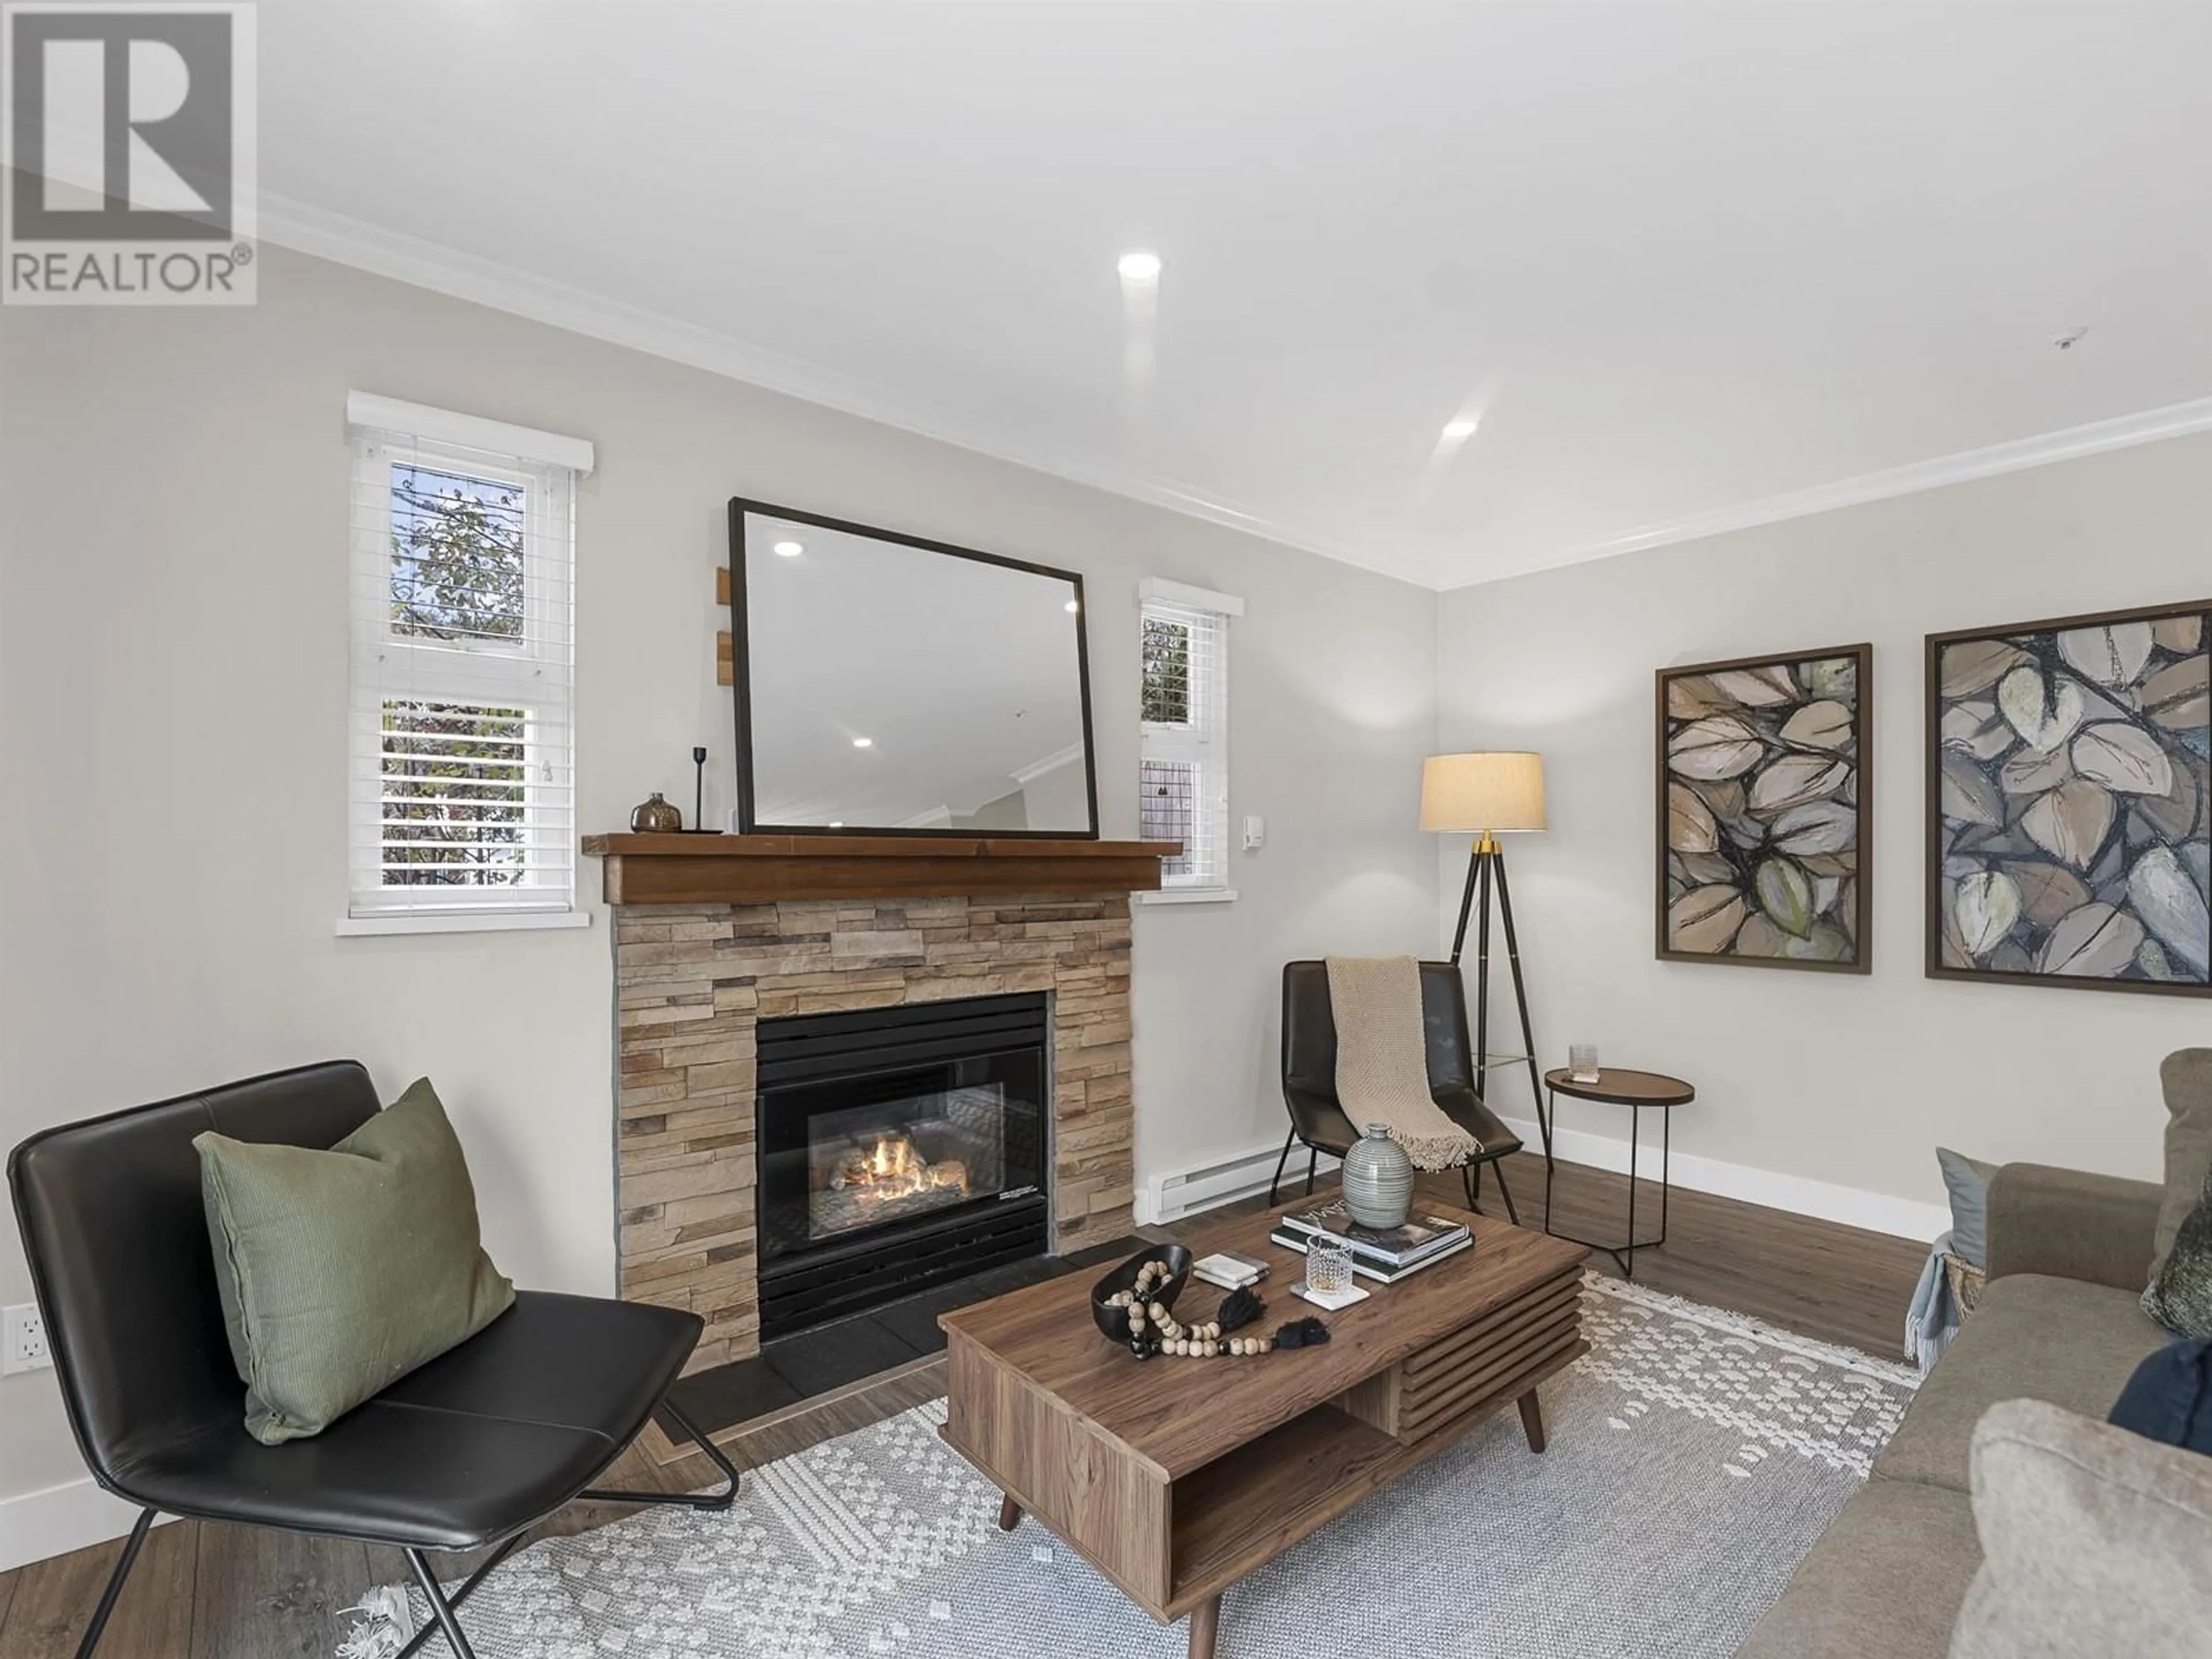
(1309, 1076)
(468, 1451)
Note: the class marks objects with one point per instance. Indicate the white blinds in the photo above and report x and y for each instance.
(1183, 756)
(461, 782)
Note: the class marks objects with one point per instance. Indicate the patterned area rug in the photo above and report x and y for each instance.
(1695, 1455)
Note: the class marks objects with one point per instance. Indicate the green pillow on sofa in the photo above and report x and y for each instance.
(342, 1271)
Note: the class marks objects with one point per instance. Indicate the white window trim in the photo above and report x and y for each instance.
(1195, 598)
(462, 922)
(1224, 606)
(495, 449)
(367, 411)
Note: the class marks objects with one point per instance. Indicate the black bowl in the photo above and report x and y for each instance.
(1114, 1322)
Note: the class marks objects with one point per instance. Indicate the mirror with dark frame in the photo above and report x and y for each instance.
(892, 685)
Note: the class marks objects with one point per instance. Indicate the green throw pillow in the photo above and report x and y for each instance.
(342, 1271)
(2180, 1298)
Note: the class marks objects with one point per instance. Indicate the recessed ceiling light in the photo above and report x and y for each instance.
(836, 823)
(1462, 428)
(1072, 607)
(864, 743)
(789, 550)
(1140, 267)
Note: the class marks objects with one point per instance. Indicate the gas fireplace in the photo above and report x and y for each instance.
(900, 1148)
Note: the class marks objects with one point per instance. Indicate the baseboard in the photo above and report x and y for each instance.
(1179, 1193)
(1825, 1200)
(35, 1526)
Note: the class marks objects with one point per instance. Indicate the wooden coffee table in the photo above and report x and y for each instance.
(1175, 1478)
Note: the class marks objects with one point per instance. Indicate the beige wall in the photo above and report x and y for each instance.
(173, 674)
(1825, 1078)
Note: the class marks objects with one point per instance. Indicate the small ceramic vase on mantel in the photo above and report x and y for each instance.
(1378, 1180)
(656, 816)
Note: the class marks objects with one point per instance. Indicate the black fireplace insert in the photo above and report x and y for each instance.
(900, 1148)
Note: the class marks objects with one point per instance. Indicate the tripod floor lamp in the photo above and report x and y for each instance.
(1488, 795)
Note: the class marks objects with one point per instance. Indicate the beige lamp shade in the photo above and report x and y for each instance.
(1498, 791)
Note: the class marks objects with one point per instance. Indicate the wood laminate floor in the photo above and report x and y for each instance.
(214, 1592)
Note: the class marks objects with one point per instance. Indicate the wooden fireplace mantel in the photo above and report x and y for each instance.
(694, 869)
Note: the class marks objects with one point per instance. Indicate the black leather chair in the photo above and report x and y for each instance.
(470, 1450)
(1309, 1076)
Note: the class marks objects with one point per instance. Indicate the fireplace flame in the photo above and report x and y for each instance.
(893, 1169)
(889, 1158)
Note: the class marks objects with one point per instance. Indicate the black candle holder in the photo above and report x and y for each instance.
(698, 824)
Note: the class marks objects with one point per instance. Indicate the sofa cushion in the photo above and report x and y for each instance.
(2169, 1399)
(2186, 1077)
(2180, 1294)
(1967, 1181)
(2060, 1339)
(1885, 1578)
(2096, 1541)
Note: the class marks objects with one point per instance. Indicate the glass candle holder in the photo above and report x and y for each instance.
(1582, 1062)
(1328, 1266)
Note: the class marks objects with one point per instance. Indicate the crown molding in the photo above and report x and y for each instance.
(443, 270)
(2069, 443)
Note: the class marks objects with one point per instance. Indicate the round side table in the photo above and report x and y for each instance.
(1616, 1086)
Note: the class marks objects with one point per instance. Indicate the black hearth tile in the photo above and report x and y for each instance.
(818, 1361)
(913, 1320)
(1111, 1253)
(1010, 1276)
(729, 1394)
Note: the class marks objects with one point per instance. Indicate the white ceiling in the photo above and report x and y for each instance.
(1695, 264)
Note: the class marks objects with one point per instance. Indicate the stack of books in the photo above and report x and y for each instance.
(1384, 1254)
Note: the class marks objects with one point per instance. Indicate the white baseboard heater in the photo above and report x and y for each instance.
(1170, 1197)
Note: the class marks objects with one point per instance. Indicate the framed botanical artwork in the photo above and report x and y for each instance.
(2067, 786)
(1763, 810)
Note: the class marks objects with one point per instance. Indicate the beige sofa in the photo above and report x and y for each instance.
(2059, 1322)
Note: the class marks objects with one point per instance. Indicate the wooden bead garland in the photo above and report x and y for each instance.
(1153, 1329)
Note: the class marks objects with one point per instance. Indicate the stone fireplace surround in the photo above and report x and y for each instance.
(692, 981)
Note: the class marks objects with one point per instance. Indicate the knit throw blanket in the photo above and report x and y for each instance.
(1381, 1059)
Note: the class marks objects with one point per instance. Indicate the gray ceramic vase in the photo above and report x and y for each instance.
(1378, 1180)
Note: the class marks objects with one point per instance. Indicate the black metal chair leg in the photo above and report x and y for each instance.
(690, 1500)
(1506, 1192)
(441, 1609)
(442, 1606)
(1289, 1141)
(1470, 1177)
(107, 1597)
(1313, 1162)
(454, 1601)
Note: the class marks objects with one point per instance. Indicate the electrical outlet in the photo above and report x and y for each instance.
(26, 1340)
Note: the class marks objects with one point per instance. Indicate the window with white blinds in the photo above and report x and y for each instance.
(462, 780)
(1183, 753)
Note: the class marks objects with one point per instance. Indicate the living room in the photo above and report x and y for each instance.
(654, 566)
